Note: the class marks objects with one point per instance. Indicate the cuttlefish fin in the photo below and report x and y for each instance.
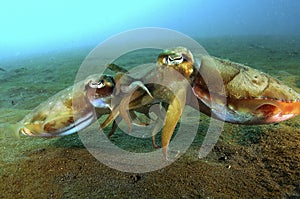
(277, 111)
(264, 110)
(10, 130)
(173, 114)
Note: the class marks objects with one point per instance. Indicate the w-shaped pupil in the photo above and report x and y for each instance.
(176, 60)
(170, 59)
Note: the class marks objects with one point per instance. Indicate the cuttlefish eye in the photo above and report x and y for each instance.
(170, 60)
(173, 61)
(104, 81)
(96, 84)
(99, 91)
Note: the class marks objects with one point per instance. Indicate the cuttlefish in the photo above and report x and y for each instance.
(225, 90)
(222, 89)
(71, 109)
(75, 108)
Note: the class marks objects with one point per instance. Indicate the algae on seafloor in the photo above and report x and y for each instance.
(247, 161)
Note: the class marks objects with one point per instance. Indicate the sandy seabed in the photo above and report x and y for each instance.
(247, 161)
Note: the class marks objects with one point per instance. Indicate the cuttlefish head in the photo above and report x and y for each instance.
(180, 59)
(99, 91)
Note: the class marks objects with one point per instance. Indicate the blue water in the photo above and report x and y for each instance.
(34, 26)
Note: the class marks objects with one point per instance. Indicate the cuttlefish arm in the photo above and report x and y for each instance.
(173, 115)
(130, 100)
(176, 67)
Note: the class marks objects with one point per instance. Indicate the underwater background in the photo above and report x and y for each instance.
(42, 45)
